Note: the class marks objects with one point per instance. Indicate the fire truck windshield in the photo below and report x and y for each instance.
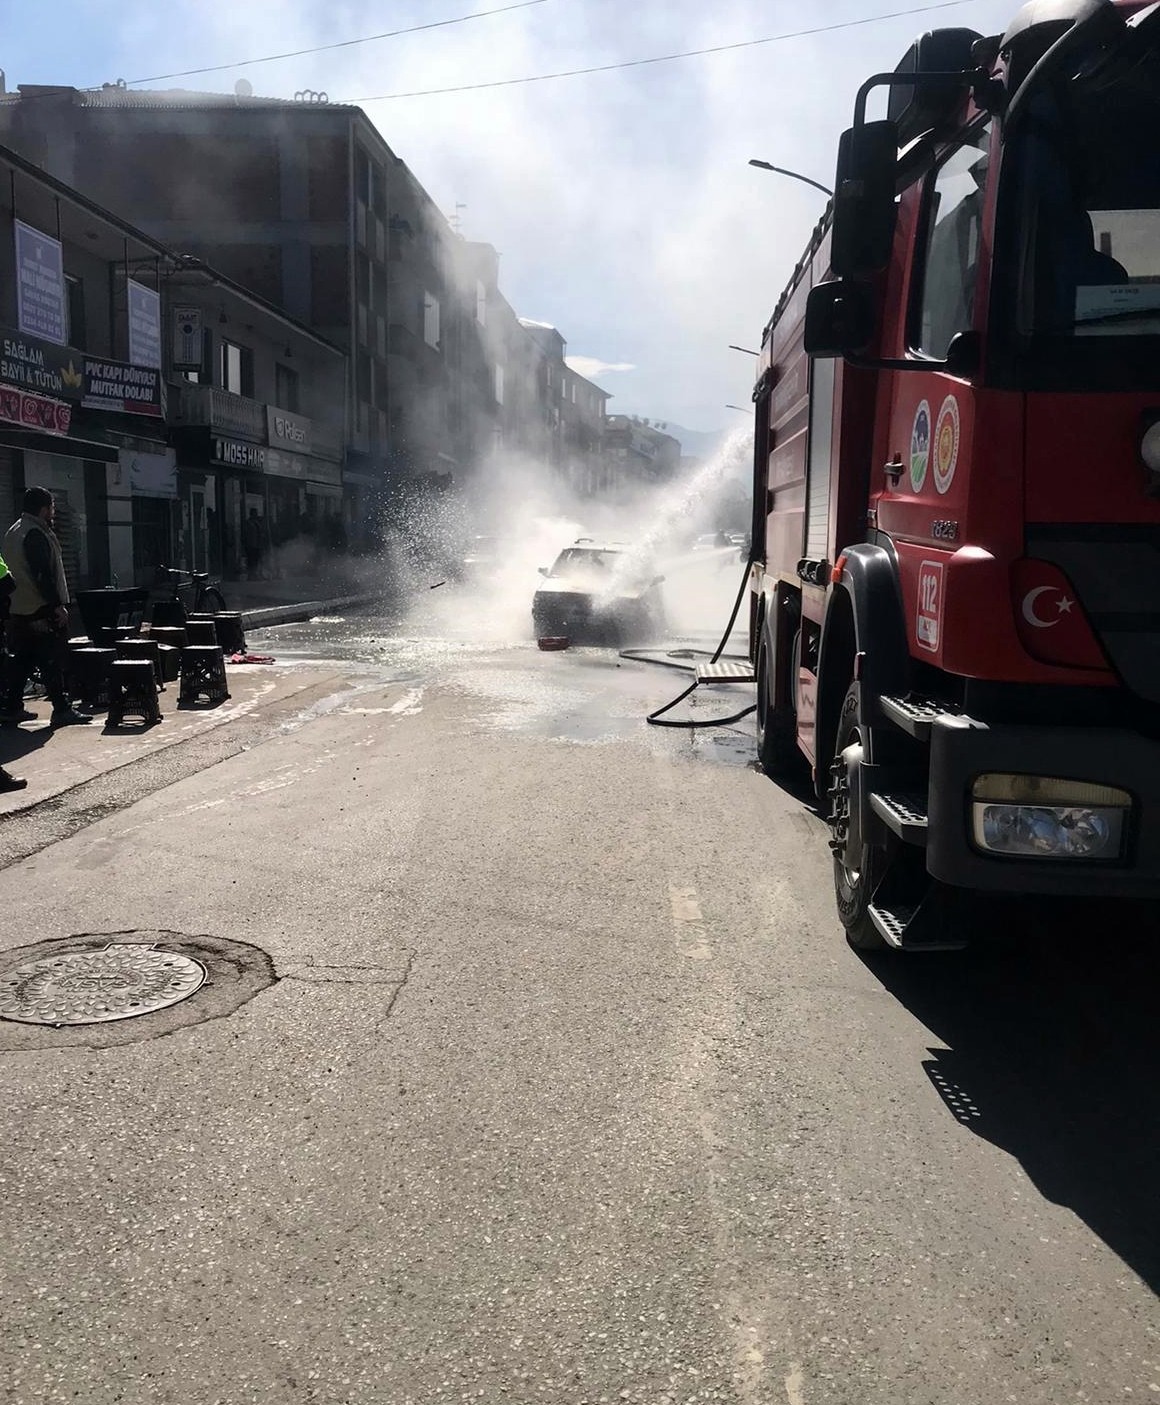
(1088, 188)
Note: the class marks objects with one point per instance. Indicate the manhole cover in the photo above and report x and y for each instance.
(90, 987)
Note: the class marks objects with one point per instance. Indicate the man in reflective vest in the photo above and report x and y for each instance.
(37, 612)
(7, 780)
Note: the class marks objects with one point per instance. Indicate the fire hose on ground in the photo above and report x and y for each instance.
(658, 718)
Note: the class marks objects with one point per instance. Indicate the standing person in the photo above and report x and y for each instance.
(38, 611)
(253, 539)
(7, 585)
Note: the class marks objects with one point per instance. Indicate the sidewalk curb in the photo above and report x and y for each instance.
(292, 614)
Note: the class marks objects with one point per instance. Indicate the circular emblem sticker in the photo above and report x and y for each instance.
(946, 444)
(920, 446)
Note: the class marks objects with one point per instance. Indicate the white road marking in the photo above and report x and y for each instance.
(793, 1384)
(686, 908)
(408, 704)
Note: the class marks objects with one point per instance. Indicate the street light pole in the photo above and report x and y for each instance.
(793, 175)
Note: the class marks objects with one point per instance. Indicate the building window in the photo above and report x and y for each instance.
(285, 387)
(480, 304)
(237, 368)
(77, 331)
(499, 385)
(431, 320)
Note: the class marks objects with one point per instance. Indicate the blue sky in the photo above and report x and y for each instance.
(621, 202)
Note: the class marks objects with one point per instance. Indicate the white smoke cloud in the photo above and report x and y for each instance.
(621, 202)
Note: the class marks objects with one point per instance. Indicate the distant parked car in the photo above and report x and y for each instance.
(599, 593)
(713, 541)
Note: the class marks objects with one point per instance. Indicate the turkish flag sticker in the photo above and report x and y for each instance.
(1050, 618)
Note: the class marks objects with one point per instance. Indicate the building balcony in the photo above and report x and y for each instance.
(239, 417)
(210, 407)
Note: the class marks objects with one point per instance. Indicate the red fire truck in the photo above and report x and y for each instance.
(955, 607)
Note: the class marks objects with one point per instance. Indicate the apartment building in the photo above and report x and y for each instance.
(305, 203)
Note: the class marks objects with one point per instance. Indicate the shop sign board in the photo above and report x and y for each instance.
(150, 475)
(144, 324)
(62, 371)
(114, 385)
(236, 453)
(287, 431)
(34, 412)
(187, 351)
(41, 292)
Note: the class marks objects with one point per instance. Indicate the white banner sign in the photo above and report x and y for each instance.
(144, 325)
(41, 294)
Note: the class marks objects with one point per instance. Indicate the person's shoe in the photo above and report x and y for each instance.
(69, 717)
(13, 716)
(9, 782)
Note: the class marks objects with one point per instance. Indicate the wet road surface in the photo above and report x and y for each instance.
(560, 1082)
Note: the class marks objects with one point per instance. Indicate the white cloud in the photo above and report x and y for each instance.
(593, 368)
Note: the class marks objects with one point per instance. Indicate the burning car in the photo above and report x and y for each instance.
(598, 592)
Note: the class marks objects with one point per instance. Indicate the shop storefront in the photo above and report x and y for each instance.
(66, 419)
(297, 498)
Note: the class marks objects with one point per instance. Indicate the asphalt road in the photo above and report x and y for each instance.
(533, 1067)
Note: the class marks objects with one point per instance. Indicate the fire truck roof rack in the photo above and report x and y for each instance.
(819, 233)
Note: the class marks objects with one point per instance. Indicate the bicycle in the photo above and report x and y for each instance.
(195, 587)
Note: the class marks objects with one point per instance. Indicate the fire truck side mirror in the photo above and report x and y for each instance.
(839, 319)
(864, 195)
(964, 355)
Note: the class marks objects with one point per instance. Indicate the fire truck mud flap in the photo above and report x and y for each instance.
(1093, 762)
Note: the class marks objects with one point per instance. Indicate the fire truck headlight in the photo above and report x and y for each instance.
(1150, 447)
(1045, 817)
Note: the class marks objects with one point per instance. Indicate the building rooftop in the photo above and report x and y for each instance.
(113, 95)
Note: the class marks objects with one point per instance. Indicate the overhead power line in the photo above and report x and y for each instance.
(665, 58)
(342, 44)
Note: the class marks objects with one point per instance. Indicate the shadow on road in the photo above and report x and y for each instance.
(1051, 1033)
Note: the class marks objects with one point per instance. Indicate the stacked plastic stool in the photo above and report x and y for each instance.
(89, 668)
(230, 634)
(133, 691)
(171, 639)
(142, 647)
(172, 634)
(203, 675)
(201, 631)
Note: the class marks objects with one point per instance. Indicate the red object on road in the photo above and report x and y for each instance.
(553, 641)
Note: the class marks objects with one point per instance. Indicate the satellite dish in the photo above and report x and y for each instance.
(244, 88)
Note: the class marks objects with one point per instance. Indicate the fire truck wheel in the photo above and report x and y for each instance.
(776, 730)
(858, 866)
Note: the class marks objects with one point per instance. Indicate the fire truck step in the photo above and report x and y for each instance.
(927, 926)
(904, 814)
(726, 672)
(913, 715)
